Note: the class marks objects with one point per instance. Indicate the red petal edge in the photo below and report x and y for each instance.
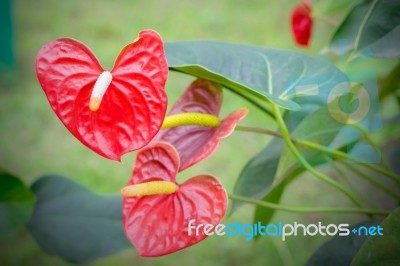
(225, 128)
(134, 105)
(302, 23)
(158, 225)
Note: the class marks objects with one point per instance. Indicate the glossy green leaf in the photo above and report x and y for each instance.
(339, 250)
(258, 174)
(263, 215)
(274, 75)
(390, 84)
(394, 157)
(372, 28)
(75, 223)
(16, 203)
(256, 179)
(382, 250)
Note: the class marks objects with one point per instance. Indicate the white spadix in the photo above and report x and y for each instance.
(99, 89)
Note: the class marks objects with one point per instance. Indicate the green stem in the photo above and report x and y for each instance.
(371, 180)
(315, 146)
(346, 178)
(278, 207)
(344, 155)
(367, 137)
(382, 171)
(286, 137)
(260, 131)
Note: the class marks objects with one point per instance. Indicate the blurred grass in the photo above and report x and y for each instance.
(34, 143)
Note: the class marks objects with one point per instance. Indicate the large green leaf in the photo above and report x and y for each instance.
(274, 75)
(340, 250)
(74, 223)
(382, 250)
(265, 215)
(257, 176)
(372, 28)
(16, 203)
(390, 84)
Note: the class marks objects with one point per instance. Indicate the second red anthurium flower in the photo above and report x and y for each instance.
(157, 210)
(111, 112)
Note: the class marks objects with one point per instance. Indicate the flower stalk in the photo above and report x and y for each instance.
(274, 206)
(336, 153)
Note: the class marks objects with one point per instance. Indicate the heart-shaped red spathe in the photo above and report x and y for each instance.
(158, 225)
(302, 23)
(196, 143)
(133, 107)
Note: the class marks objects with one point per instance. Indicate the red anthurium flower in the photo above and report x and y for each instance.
(302, 23)
(157, 210)
(193, 142)
(111, 112)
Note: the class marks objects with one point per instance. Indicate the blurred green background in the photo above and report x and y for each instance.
(33, 142)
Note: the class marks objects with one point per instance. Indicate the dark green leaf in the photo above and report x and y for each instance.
(274, 75)
(390, 84)
(16, 203)
(382, 250)
(264, 215)
(340, 250)
(394, 156)
(372, 28)
(257, 176)
(256, 179)
(74, 223)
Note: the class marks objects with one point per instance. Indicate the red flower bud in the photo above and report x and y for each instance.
(302, 23)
